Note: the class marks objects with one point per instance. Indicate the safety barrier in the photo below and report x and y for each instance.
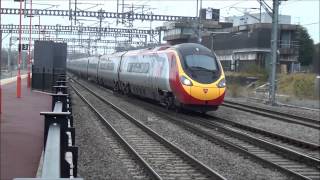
(60, 153)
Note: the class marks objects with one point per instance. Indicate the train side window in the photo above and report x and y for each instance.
(133, 67)
(129, 68)
(145, 68)
(110, 66)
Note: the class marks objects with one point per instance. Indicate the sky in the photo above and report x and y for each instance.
(303, 12)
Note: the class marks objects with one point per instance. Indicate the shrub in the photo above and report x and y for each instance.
(234, 89)
(298, 85)
(257, 71)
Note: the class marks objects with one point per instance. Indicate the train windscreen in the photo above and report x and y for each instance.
(201, 68)
(201, 62)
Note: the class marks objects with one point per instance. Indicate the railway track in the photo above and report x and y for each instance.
(161, 159)
(292, 162)
(308, 148)
(311, 149)
(305, 121)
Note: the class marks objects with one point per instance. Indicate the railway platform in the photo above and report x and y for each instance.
(21, 128)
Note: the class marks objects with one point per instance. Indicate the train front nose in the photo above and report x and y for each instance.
(205, 93)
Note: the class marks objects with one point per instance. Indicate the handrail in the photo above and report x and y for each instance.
(59, 137)
(51, 162)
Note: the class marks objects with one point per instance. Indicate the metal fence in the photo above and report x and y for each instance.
(60, 153)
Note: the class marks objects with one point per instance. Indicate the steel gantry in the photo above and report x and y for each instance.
(96, 14)
(106, 41)
(81, 29)
(98, 31)
(142, 35)
(105, 34)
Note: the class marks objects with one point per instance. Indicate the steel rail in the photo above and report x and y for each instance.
(294, 156)
(277, 136)
(207, 170)
(285, 139)
(117, 134)
(245, 137)
(227, 143)
(312, 123)
(272, 111)
(292, 160)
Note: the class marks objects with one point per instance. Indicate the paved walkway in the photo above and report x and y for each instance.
(21, 131)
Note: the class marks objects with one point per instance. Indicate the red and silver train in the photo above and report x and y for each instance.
(182, 76)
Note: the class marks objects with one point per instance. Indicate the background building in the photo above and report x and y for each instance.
(242, 42)
(255, 18)
(240, 47)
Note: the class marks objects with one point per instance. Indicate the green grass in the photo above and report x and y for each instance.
(236, 81)
(297, 85)
(251, 71)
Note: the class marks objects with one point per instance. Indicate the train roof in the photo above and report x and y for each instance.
(181, 47)
(192, 48)
(184, 48)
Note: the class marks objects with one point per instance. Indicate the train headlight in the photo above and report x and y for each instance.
(185, 81)
(222, 83)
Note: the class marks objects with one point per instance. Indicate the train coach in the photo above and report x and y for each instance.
(185, 76)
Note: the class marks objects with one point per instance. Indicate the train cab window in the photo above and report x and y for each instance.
(201, 68)
(201, 62)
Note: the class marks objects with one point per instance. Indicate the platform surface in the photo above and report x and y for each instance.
(21, 131)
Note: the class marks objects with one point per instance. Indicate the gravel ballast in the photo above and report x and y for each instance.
(292, 130)
(228, 163)
(314, 114)
(99, 152)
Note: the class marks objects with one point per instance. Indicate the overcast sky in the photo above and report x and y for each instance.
(303, 12)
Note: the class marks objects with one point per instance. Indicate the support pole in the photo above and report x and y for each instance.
(117, 12)
(260, 11)
(100, 23)
(9, 54)
(0, 61)
(200, 24)
(29, 49)
(19, 57)
(39, 28)
(197, 8)
(75, 12)
(122, 6)
(274, 47)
